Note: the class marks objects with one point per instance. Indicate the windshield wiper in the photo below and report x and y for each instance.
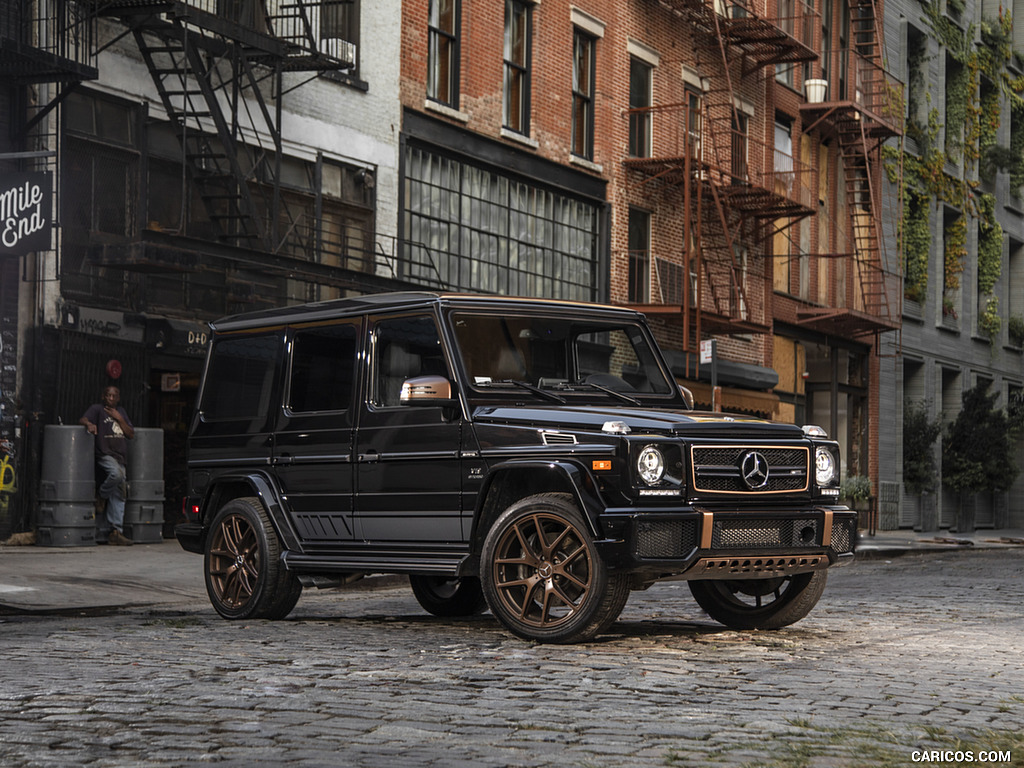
(608, 390)
(543, 393)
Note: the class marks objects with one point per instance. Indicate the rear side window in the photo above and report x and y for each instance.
(323, 369)
(240, 378)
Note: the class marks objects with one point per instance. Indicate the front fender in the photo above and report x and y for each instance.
(515, 479)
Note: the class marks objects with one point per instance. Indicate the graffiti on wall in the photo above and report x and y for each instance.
(8, 414)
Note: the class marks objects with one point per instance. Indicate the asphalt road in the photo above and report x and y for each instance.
(903, 662)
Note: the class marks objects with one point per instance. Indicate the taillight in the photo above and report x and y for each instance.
(190, 509)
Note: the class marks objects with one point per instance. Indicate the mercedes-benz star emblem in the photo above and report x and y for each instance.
(754, 470)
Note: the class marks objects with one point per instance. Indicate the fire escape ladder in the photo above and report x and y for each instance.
(186, 78)
(719, 259)
(862, 200)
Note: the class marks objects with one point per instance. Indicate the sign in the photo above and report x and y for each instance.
(707, 351)
(170, 382)
(26, 212)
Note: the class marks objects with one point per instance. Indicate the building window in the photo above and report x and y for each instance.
(639, 256)
(443, 53)
(694, 117)
(583, 95)
(339, 30)
(639, 99)
(516, 115)
(787, 14)
(740, 126)
(471, 228)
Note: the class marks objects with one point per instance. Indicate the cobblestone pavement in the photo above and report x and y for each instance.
(920, 653)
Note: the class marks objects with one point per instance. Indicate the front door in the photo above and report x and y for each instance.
(313, 443)
(408, 478)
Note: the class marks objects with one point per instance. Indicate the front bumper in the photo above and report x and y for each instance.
(701, 543)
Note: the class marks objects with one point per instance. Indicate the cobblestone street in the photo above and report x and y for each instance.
(920, 653)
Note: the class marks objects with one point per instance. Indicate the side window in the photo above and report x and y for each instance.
(323, 368)
(404, 347)
(240, 378)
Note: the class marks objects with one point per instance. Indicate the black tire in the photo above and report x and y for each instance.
(542, 575)
(741, 603)
(448, 597)
(245, 577)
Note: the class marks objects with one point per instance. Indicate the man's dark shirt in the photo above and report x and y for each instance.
(110, 439)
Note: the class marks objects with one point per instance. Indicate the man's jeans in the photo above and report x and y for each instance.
(114, 490)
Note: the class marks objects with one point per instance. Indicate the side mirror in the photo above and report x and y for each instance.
(687, 396)
(427, 391)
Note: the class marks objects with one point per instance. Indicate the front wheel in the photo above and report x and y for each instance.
(245, 577)
(448, 597)
(759, 603)
(542, 575)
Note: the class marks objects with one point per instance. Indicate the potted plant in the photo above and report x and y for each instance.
(977, 452)
(919, 470)
(856, 492)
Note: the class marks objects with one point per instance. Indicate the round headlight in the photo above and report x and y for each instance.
(650, 464)
(824, 467)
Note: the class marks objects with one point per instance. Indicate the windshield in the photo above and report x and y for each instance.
(558, 353)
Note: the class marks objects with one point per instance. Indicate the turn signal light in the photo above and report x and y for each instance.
(601, 464)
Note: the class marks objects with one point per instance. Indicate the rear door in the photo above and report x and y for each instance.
(232, 429)
(408, 478)
(313, 446)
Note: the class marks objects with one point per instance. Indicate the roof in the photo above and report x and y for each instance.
(324, 310)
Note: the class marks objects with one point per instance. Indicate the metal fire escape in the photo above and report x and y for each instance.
(218, 67)
(736, 189)
(860, 113)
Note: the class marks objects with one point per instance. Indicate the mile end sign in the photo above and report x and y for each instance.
(26, 208)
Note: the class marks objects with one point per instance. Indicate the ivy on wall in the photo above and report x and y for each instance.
(955, 253)
(990, 244)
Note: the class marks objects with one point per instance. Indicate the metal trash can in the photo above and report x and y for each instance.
(67, 487)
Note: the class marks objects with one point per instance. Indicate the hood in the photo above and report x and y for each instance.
(639, 420)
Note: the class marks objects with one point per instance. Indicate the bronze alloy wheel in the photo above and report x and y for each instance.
(245, 577)
(542, 575)
(543, 571)
(234, 561)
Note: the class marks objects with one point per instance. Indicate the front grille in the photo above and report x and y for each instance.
(719, 469)
(665, 539)
(750, 533)
(843, 535)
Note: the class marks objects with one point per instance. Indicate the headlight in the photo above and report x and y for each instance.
(824, 467)
(650, 465)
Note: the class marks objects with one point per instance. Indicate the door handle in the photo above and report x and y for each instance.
(369, 457)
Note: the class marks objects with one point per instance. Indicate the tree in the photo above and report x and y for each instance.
(977, 455)
(919, 436)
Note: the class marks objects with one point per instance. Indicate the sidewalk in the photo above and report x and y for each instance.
(106, 578)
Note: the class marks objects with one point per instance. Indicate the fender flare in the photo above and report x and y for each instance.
(263, 488)
(577, 479)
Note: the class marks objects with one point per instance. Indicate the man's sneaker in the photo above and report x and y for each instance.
(119, 539)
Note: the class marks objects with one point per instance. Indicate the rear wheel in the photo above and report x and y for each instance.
(759, 603)
(542, 575)
(448, 597)
(245, 577)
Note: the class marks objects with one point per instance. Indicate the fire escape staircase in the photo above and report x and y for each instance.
(860, 116)
(216, 79)
(726, 196)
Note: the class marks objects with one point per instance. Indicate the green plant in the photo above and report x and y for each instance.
(989, 321)
(1015, 328)
(976, 450)
(919, 436)
(990, 244)
(917, 238)
(955, 252)
(949, 307)
(855, 488)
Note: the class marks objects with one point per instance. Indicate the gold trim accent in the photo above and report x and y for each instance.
(707, 528)
(826, 529)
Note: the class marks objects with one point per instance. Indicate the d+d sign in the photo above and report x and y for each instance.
(26, 202)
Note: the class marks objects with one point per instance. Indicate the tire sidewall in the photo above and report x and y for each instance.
(245, 509)
(801, 595)
(581, 625)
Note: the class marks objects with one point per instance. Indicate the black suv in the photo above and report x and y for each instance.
(534, 457)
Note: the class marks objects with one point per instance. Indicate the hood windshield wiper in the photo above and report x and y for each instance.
(542, 393)
(608, 390)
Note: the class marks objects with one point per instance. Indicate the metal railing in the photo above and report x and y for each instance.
(61, 28)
